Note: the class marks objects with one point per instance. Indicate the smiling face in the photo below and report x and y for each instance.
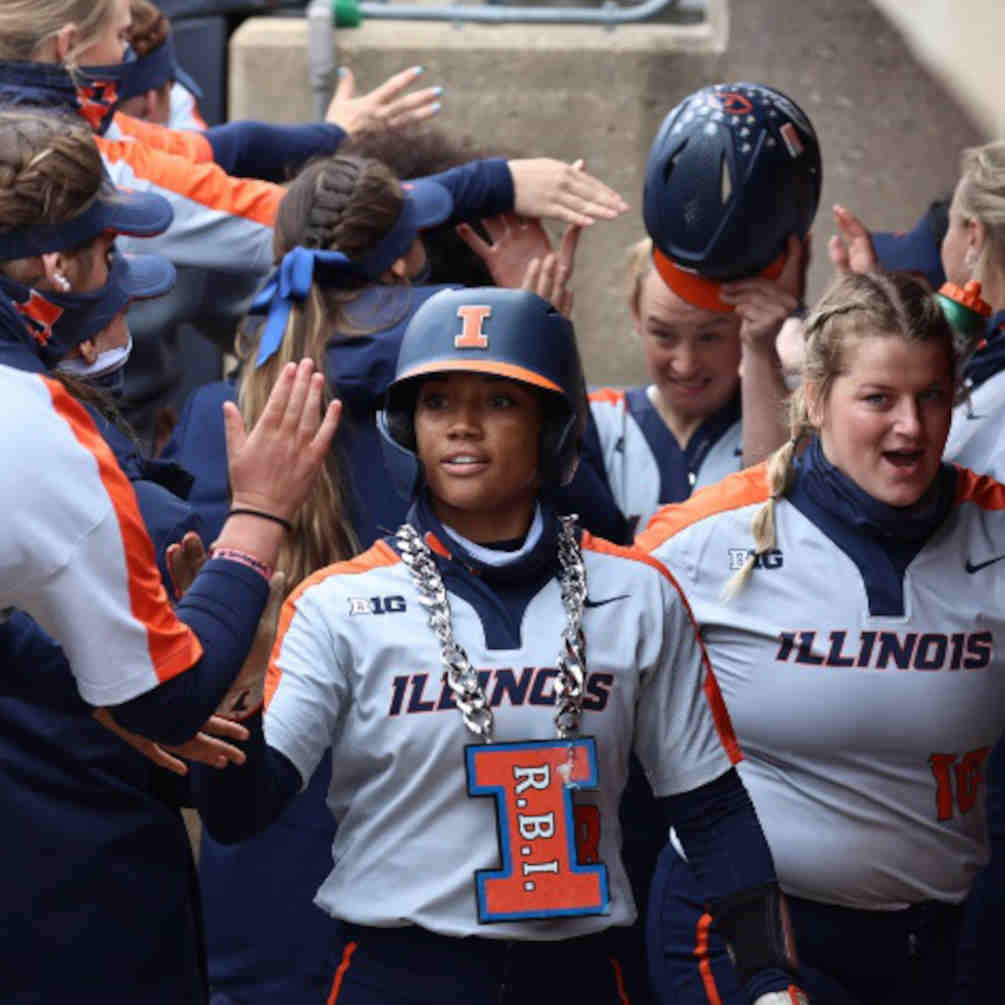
(693, 355)
(478, 438)
(886, 417)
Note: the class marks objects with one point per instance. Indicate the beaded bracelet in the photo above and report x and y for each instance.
(242, 511)
(243, 558)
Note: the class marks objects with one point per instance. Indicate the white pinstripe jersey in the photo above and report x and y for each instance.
(357, 668)
(645, 465)
(864, 736)
(74, 553)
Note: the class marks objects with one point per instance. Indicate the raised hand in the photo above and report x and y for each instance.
(273, 468)
(851, 249)
(385, 107)
(552, 189)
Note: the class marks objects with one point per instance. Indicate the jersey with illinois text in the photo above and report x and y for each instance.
(74, 553)
(645, 464)
(864, 735)
(422, 805)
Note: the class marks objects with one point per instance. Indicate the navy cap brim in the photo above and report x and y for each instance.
(432, 203)
(147, 276)
(138, 214)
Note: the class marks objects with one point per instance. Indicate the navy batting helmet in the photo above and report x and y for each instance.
(507, 333)
(733, 171)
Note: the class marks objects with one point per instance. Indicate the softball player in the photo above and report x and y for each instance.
(848, 601)
(477, 760)
(732, 186)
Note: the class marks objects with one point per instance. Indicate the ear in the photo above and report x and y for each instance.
(65, 39)
(54, 266)
(814, 403)
(88, 351)
(635, 305)
(977, 234)
(399, 268)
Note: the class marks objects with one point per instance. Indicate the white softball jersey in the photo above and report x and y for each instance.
(975, 437)
(646, 466)
(864, 737)
(75, 554)
(357, 668)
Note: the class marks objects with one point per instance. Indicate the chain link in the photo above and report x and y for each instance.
(462, 678)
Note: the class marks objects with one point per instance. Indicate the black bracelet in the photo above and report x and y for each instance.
(241, 511)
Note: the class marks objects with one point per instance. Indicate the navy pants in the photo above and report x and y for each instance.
(395, 966)
(847, 957)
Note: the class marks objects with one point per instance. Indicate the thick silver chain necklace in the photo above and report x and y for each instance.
(462, 678)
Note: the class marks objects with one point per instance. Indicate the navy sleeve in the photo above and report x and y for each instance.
(589, 493)
(479, 188)
(222, 607)
(251, 149)
(729, 856)
(986, 905)
(242, 800)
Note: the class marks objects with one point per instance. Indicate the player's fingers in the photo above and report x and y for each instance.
(837, 252)
(234, 432)
(531, 275)
(310, 417)
(594, 190)
(217, 725)
(547, 285)
(412, 101)
(567, 300)
(322, 441)
(427, 111)
(293, 413)
(397, 83)
(568, 246)
(346, 86)
(473, 239)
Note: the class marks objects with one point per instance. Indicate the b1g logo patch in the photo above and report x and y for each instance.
(533, 782)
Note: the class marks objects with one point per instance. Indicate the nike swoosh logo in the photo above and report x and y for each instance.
(972, 568)
(608, 600)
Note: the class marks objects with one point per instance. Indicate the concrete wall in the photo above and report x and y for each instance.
(890, 132)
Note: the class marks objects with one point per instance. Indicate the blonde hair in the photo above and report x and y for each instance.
(855, 307)
(638, 262)
(980, 194)
(26, 24)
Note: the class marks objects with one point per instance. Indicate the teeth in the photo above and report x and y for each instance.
(463, 460)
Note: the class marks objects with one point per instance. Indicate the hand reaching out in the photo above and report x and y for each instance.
(204, 747)
(851, 249)
(548, 188)
(385, 107)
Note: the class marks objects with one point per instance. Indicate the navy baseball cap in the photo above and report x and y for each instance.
(919, 249)
(146, 276)
(119, 210)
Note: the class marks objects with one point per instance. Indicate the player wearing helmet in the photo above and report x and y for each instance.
(481, 676)
(732, 185)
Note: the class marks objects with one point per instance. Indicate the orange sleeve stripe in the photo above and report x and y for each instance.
(720, 714)
(377, 556)
(207, 184)
(606, 396)
(340, 972)
(980, 489)
(704, 963)
(172, 645)
(191, 145)
(744, 488)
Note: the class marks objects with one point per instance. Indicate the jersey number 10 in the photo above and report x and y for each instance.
(957, 780)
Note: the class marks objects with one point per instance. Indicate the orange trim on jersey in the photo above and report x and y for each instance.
(436, 545)
(340, 972)
(207, 184)
(980, 489)
(720, 714)
(699, 291)
(742, 488)
(619, 981)
(187, 143)
(482, 366)
(606, 396)
(704, 963)
(173, 646)
(377, 556)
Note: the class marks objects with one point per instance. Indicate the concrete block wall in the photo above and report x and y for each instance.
(890, 133)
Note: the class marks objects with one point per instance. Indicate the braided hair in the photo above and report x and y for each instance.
(50, 168)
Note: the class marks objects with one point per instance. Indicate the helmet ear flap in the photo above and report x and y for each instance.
(399, 415)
